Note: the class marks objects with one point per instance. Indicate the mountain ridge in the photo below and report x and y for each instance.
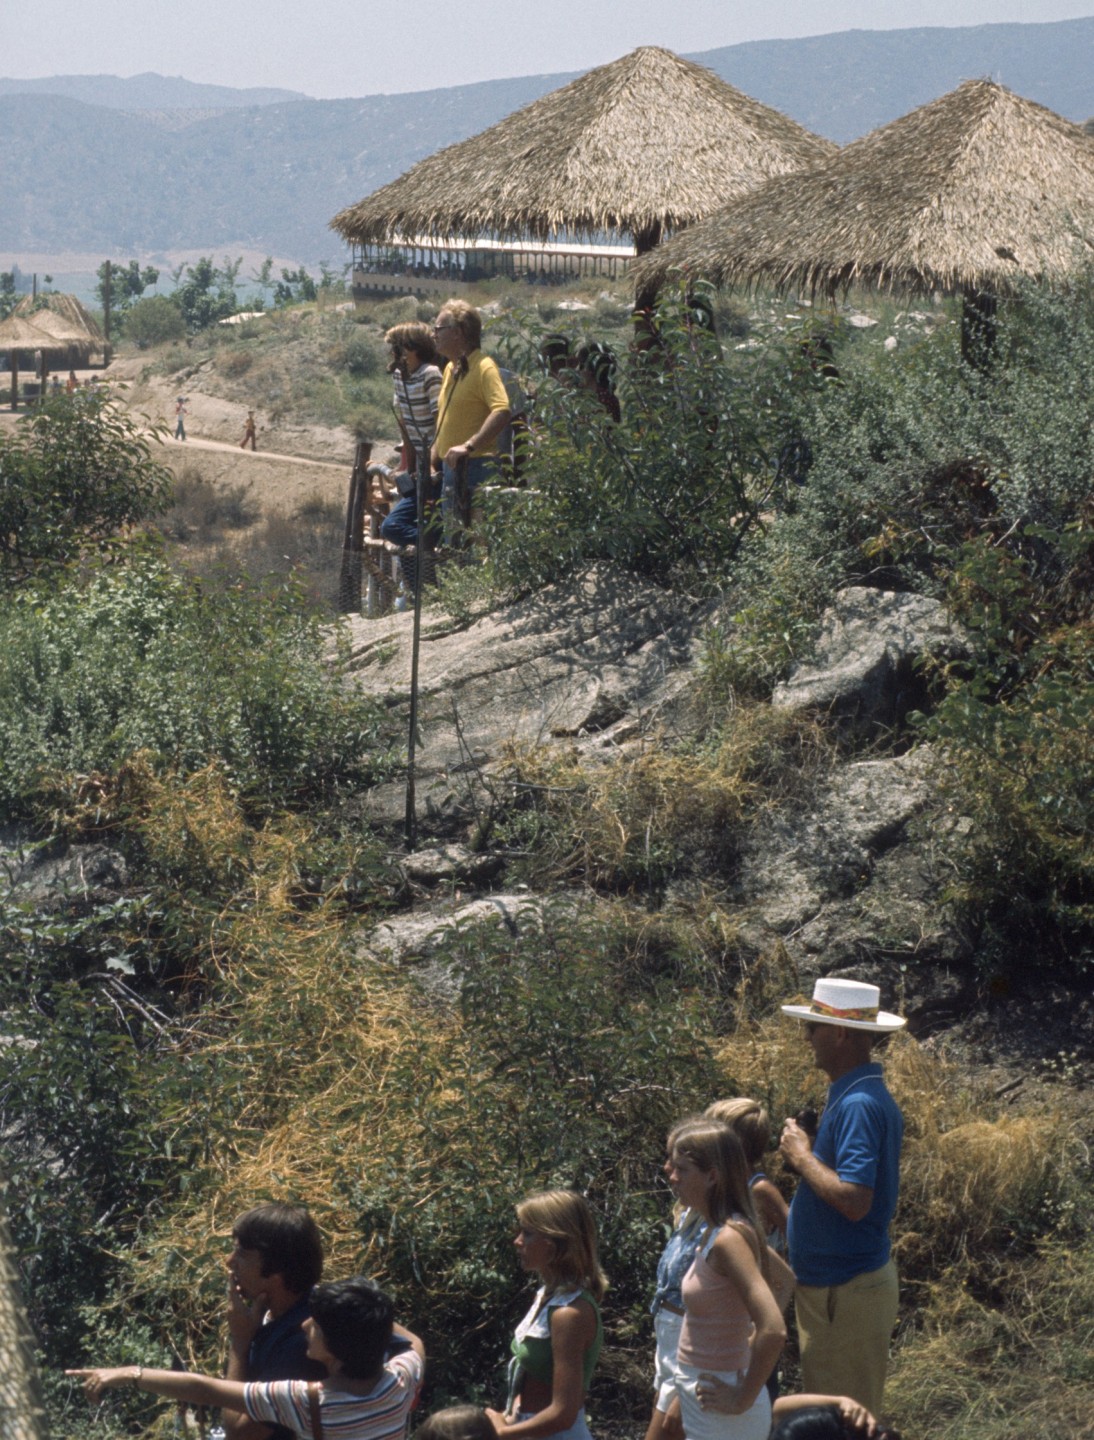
(269, 175)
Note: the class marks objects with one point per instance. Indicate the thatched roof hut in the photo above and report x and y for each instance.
(18, 334)
(646, 144)
(64, 317)
(966, 193)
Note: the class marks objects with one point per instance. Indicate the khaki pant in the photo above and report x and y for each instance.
(844, 1332)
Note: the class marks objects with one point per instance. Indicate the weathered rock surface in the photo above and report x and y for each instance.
(59, 875)
(863, 667)
(596, 659)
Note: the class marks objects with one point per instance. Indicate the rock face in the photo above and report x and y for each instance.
(592, 660)
(843, 876)
(864, 665)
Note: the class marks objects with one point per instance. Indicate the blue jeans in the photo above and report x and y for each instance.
(401, 523)
(476, 470)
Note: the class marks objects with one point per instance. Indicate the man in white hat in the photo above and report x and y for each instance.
(846, 1301)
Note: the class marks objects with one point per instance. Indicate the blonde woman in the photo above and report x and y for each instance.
(733, 1328)
(557, 1344)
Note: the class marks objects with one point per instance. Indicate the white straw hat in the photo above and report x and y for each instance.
(852, 1003)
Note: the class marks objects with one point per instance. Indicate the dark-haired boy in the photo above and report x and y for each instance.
(277, 1257)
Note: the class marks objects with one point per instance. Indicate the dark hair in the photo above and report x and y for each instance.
(816, 1422)
(288, 1240)
(821, 1422)
(355, 1317)
(458, 1422)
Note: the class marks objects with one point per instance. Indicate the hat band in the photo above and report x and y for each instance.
(866, 1012)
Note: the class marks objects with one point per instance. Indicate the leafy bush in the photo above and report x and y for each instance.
(363, 355)
(138, 659)
(154, 321)
(670, 492)
(70, 477)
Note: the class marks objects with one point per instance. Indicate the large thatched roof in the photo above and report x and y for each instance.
(969, 192)
(17, 333)
(646, 143)
(64, 317)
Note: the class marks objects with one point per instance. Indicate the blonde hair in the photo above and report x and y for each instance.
(748, 1121)
(467, 318)
(564, 1216)
(714, 1147)
(457, 1422)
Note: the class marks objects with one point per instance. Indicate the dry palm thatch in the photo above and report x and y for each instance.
(17, 333)
(969, 192)
(646, 144)
(65, 318)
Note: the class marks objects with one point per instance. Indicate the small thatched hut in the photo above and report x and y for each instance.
(67, 319)
(965, 194)
(647, 144)
(21, 339)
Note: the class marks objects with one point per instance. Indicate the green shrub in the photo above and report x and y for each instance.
(154, 321)
(670, 492)
(137, 659)
(70, 477)
(364, 355)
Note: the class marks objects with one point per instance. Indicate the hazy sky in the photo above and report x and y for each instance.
(331, 48)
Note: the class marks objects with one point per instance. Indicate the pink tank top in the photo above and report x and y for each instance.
(716, 1326)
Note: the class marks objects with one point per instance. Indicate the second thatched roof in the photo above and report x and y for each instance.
(648, 143)
(969, 192)
(64, 317)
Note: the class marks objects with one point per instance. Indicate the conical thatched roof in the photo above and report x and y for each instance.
(966, 193)
(19, 333)
(648, 142)
(65, 318)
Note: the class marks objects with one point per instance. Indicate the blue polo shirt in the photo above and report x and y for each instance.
(859, 1138)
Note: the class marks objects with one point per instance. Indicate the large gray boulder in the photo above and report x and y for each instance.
(592, 660)
(864, 663)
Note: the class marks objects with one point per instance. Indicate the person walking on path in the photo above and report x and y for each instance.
(847, 1295)
(249, 432)
(181, 413)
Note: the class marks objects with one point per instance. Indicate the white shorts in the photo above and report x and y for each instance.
(666, 1330)
(700, 1424)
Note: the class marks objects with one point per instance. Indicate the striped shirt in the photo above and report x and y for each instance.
(416, 399)
(380, 1415)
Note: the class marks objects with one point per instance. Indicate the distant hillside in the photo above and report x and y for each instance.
(215, 172)
(146, 92)
(847, 84)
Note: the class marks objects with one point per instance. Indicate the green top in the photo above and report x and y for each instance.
(532, 1343)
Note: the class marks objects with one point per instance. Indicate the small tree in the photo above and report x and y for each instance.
(70, 477)
(153, 321)
(124, 283)
(206, 292)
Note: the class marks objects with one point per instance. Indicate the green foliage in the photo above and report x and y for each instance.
(293, 287)
(80, 1065)
(154, 321)
(9, 296)
(914, 454)
(206, 293)
(136, 659)
(1017, 727)
(670, 492)
(125, 284)
(70, 477)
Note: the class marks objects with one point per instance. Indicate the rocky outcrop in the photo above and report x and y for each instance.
(596, 660)
(864, 666)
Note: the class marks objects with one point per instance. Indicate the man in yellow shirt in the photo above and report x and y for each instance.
(473, 409)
